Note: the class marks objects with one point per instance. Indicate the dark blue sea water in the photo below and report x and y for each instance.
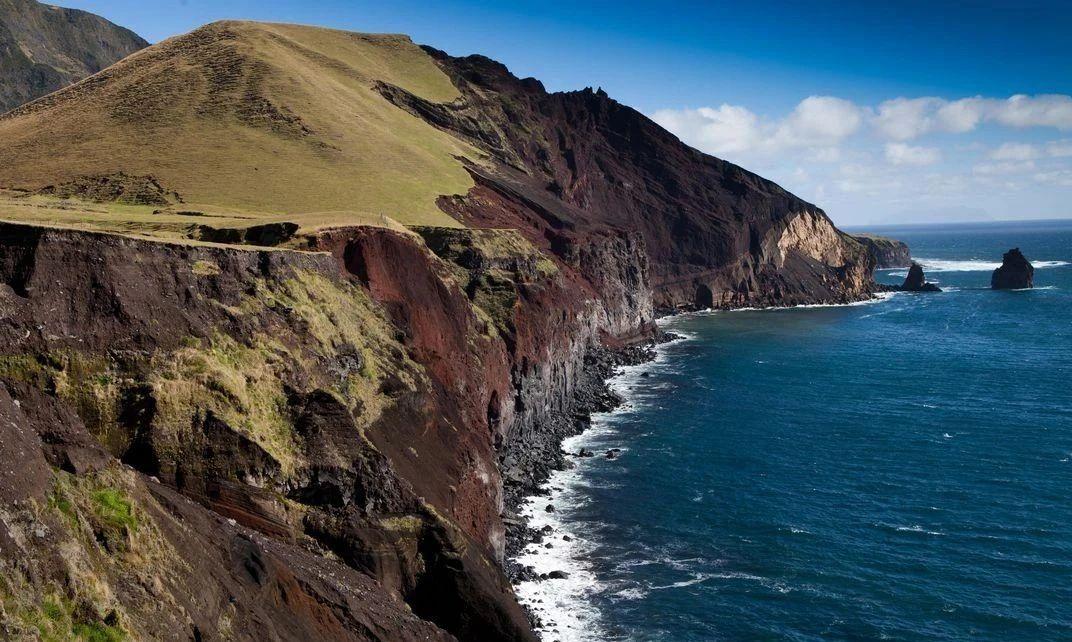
(900, 470)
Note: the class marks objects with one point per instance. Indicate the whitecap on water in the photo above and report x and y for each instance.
(564, 606)
(633, 593)
(970, 265)
(913, 528)
(695, 579)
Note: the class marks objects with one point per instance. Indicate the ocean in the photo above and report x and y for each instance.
(894, 470)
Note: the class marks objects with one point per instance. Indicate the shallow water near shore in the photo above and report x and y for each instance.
(898, 470)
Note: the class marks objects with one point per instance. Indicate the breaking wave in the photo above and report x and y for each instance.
(943, 265)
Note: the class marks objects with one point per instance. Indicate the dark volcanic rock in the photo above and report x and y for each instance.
(888, 253)
(45, 48)
(916, 282)
(1015, 273)
(567, 166)
(407, 507)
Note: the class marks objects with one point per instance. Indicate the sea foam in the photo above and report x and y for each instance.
(972, 265)
(564, 606)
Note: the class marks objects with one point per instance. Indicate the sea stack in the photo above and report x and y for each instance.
(1015, 273)
(916, 282)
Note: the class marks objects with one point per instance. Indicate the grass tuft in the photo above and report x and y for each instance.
(115, 509)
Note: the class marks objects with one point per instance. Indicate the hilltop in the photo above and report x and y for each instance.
(44, 48)
(261, 121)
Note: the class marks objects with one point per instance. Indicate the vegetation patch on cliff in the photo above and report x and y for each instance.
(489, 264)
(240, 384)
(90, 536)
(90, 383)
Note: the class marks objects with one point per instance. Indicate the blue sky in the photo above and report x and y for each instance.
(879, 114)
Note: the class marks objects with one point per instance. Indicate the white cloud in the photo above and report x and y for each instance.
(825, 155)
(906, 118)
(819, 122)
(902, 154)
(1052, 110)
(914, 152)
(1025, 151)
(822, 123)
(728, 129)
(1004, 168)
(1014, 152)
(1060, 177)
(960, 116)
(1059, 148)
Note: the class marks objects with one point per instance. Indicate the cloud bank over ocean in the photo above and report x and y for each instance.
(983, 154)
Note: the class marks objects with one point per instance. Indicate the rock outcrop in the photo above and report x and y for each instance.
(887, 252)
(1015, 273)
(44, 48)
(917, 282)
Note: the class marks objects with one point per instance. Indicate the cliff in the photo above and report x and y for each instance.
(44, 48)
(208, 437)
(887, 252)
(572, 164)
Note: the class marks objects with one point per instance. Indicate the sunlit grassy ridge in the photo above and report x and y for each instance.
(252, 122)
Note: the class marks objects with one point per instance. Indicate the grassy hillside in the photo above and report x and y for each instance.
(250, 122)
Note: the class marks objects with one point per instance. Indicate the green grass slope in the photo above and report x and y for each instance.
(249, 121)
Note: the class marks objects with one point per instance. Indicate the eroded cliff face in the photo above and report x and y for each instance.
(321, 440)
(567, 166)
(276, 390)
(319, 415)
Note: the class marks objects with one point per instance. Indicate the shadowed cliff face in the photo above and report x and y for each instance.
(44, 48)
(352, 412)
(572, 165)
(324, 411)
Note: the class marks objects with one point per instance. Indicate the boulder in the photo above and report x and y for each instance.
(1015, 273)
(916, 282)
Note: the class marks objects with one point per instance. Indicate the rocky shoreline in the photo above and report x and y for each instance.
(593, 394)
